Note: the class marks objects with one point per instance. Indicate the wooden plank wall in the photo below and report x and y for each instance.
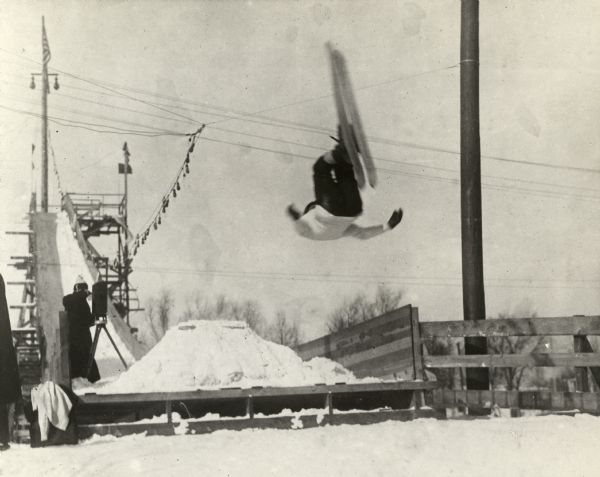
(50, 293)
(381, 347)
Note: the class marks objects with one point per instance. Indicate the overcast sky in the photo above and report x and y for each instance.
(256, 72)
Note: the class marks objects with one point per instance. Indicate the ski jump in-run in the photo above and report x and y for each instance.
(340, 174)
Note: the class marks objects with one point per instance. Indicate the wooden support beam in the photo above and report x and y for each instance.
(23, 305)
(250, 407)
(417, 347)
(22, 282)
(278, 422)
(233, 393)
(329, 403)
(513, 360)
(169, 411)
(553, 326)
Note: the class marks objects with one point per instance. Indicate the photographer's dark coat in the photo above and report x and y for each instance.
(80, 341)
(10, 383)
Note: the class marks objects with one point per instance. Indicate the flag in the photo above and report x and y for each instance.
(45, 46)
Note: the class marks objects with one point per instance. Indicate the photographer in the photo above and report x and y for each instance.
(80, 341)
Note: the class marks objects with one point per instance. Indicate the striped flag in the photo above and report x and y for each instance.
(45, 46)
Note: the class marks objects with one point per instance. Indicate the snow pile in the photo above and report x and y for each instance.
(216, 354)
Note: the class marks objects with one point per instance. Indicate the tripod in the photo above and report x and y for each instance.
(101, 325)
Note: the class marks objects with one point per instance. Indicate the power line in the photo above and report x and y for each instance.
(346, 278)
(374, 139)
(410, 174)
(85, 125)
(296, 144)
(155, 132)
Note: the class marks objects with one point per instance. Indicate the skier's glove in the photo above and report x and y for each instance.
(293, 212)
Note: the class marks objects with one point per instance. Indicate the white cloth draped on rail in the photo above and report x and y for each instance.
(53, 406)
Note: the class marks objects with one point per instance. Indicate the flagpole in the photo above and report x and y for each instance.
(45, 59)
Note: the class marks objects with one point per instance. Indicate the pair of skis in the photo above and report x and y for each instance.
(353, 136)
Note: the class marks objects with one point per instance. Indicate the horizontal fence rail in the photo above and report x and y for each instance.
(513, 360)
(555, 326)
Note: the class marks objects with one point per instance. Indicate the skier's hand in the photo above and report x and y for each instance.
(293, 212)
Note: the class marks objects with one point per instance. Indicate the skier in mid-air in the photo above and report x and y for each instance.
(337, 202)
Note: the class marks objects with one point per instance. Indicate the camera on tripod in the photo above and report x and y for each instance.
(99, 301)
(99, 312)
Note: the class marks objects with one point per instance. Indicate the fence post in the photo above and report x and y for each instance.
(581, 373)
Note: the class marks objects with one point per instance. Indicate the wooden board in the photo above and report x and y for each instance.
(277, 422)
(554, 326)
(236, 393)
(513, 360)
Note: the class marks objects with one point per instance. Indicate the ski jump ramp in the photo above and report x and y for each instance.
(61, 255)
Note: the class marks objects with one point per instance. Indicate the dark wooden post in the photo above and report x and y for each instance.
(470, 173)
(62, 365)
(581, 373)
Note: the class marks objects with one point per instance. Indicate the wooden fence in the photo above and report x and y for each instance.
(387, 346)
(583, 358)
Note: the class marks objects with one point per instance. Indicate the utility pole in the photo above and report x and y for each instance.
(126, 245)
(45, 60)
(45, 91)
(470, 178)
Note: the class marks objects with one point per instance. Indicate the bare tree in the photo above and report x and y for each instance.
(284, 331)
(359, 308)
(158, 313)
(223, 308)
(386, 300)
(248, 311)
(512, 378)
(444, 347)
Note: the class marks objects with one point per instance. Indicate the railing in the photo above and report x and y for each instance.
(96, 204)
(583, 358)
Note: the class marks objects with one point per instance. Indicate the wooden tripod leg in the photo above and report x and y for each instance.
(115, 346)
(93, 352)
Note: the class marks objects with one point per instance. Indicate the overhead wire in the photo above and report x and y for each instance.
(111, 129)
(155, 132)
(294, 143)
(360, 278)
(374, 139)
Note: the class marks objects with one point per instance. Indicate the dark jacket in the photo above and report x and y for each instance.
(80, 341)
(10, 382)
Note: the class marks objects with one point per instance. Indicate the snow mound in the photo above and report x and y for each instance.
(216, 354)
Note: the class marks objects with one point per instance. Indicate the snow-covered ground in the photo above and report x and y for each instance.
(528, 446)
